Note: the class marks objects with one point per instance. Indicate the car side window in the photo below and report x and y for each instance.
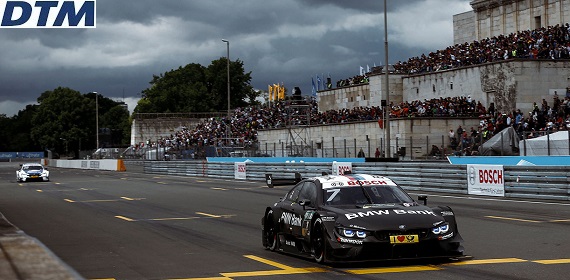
(293, 194)
(309, 192)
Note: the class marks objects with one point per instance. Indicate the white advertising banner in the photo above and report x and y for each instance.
(485, 180)
(239, 170)
(338, 168)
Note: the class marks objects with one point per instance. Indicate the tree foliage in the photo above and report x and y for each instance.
(65, 120)
(195, 88)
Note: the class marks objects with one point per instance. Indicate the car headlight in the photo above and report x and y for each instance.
(351, 233)
(440, 229)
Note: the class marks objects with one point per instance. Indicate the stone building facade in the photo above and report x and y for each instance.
(495, 17)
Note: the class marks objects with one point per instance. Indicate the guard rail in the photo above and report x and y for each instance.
(536, 182)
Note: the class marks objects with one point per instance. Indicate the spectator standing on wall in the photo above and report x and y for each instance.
(361, 153)
(377, 153)
(451, 135)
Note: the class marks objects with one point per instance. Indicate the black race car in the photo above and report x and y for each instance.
(358, 217)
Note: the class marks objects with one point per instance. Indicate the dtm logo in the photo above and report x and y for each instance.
(47, 14)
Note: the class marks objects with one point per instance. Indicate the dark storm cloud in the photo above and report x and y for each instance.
(361, 5)
(286, 41)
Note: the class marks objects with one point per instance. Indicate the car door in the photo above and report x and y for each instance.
(304, 208)
(290, 218)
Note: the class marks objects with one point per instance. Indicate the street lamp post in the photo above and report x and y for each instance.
(228, 70)
(386, 86)
(97, 117)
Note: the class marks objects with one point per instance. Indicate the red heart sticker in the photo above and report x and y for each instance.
(401, 238)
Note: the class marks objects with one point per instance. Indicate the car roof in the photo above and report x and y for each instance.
(350, 180)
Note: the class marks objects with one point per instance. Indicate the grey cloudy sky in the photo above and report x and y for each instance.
(285, 41)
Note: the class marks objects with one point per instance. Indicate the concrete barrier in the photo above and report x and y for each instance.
(96, 164)
(24, 257)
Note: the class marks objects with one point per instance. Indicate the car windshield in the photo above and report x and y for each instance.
(366, 195)
(32, 167)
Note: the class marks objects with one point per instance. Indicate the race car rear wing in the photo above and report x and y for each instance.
(271, 182)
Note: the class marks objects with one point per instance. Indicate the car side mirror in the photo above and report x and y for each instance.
(305, 202)
(423, 198)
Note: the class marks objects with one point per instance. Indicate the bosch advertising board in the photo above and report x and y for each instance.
(485, 180)
(48, 14)
(240, 170)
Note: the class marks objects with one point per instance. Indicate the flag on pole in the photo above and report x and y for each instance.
(318, 82)
(367, 68)
(314, 90)
(361, 70)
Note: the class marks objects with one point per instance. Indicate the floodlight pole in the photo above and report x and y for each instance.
(228, 131)
(386, 83)
(97, 117)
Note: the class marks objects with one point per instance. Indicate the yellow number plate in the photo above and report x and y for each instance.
(400, 239)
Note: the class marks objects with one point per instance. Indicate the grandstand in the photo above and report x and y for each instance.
(500, 73)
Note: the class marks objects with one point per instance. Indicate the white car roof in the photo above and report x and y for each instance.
(350, 180)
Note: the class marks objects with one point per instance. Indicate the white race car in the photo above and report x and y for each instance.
(32, 171)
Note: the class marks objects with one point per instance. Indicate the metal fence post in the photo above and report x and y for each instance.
(427, 146)
(548, 142)
(502, 144)
(368, 143)
(334, 154)
(524, 142)
(411, 148)
(382, 147)
(355, 146)
(344, 147)
(397, 147)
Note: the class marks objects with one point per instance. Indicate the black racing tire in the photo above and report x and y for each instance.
(271, 232)
(318, 241)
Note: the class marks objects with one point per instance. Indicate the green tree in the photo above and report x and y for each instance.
(195, 88)
(5, 127)
(65, 120)
(240, 87)
(117, 121)
(20, 129)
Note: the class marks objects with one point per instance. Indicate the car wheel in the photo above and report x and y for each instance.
(271, 232)
(318, 241)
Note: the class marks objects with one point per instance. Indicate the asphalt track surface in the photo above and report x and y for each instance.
(129, 225)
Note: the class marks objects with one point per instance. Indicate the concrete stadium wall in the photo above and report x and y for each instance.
(143, 130)
(402, 130)
(495, 17)
(511, 85)
(365, 95)
(464, 27)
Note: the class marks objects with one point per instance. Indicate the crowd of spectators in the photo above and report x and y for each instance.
(246, 122)
(356, 80)
(551, 42)
(542, 119)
